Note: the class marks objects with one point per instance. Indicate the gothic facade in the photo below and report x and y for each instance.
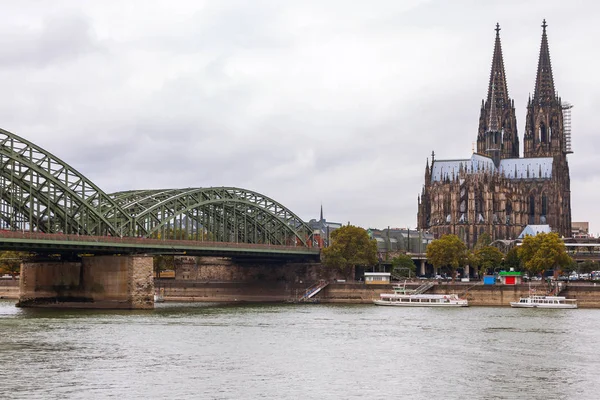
(495, 191)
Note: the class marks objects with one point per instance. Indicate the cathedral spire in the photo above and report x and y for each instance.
(497, 86)
(497, 134)
(544, 82)
(493, 123)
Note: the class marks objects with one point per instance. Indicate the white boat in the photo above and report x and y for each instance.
(544, 302)
(402, 298)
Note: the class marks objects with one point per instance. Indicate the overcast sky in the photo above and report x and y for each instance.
(337, 103)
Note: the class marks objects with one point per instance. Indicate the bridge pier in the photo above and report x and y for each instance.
(110, 282)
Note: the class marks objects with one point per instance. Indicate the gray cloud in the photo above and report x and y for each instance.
(312, 102)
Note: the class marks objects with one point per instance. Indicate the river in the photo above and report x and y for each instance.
(308, 351)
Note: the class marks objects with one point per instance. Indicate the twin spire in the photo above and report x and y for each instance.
(498, 126)
(498, 88)
(544, 82)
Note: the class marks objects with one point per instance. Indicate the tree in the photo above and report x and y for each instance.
(543, 252)
(350, 246)
(10, 262)
(483, 240)
(448, 251)
(488, 258)
(588, 266)
(163, 263)
(403, 265)
(473, 260)
(512, 260)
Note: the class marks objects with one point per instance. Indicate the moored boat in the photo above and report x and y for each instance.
(544, 302)
(403, 298)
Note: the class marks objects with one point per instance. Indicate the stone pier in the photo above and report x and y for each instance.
(95, 282)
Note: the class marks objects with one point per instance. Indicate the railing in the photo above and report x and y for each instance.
(313, 290)
(147, 241)
(423, 288)
(555, 288)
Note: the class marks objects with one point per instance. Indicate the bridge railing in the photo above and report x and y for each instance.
(147, 241)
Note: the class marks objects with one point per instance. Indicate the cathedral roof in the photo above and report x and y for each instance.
(526, 168)
(512, 168)
(533, 230)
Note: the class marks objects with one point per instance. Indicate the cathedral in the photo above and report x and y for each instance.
(495, 191)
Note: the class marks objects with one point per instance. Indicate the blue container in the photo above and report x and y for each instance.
(489, 280)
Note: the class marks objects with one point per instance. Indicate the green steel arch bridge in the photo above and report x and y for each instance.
(47, 204)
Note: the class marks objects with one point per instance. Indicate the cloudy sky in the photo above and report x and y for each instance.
(308, 102)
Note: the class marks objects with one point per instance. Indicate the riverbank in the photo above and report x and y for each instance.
(586, 294)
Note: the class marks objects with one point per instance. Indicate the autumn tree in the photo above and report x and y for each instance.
(448, 251)
(403, 265)
(350, 246)
(543, 252)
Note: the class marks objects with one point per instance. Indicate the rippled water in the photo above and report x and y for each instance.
(213, 351)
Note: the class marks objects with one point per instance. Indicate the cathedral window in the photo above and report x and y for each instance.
(544, 204)
(543, 134)
(531, 209)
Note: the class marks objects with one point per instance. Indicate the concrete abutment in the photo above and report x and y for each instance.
(124, 282)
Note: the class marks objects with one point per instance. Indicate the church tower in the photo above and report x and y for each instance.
(544, 131)
(497, 136)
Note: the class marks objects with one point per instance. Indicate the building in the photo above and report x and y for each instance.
(580, 230)
(400, 240)
(510, 277)
(322, 230)
(377, 278)
(495, 191)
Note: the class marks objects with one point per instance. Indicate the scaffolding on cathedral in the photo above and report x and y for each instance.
(566, 110)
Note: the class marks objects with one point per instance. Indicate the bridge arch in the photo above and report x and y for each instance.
(224, 214)
(40, 192)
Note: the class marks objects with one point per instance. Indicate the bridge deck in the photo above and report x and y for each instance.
(59, 243)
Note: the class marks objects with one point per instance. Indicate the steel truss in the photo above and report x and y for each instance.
(223, 214)
(41, 193)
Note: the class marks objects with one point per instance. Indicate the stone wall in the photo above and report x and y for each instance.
(95, 282)
(140, 282)
(220, 269)
(9, 289)
(356, 293)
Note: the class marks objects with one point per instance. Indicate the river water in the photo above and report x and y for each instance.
(310, 351)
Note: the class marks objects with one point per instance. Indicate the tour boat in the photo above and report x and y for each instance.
(401, 298)
(544, 302)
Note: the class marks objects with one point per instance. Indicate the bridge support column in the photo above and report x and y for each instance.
(95, 282)
(422, 269)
